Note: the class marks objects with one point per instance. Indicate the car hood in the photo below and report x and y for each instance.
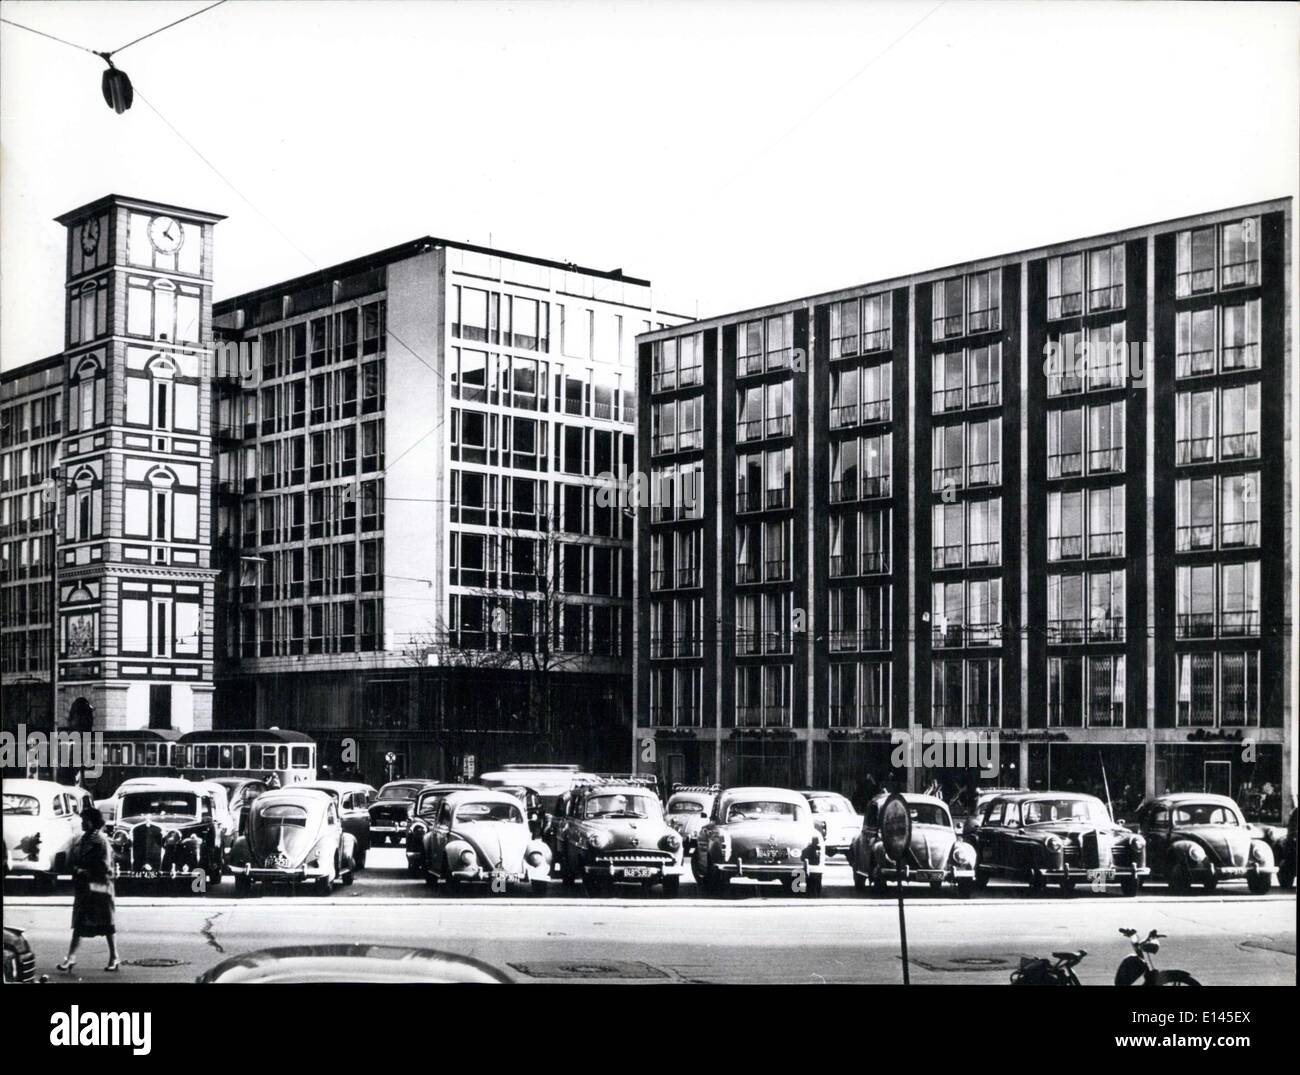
(1227, 847)
(498, 844)
(930, 847)
(288, 844)
(1073, 831)
(687, 824)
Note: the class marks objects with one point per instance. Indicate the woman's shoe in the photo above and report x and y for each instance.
(114, 965)
(66, 966)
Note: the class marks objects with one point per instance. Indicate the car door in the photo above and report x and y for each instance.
(867, 837)
(1156, 825)
(987, 837)
(439, 834)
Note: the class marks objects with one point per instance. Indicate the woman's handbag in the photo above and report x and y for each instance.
(101, 888)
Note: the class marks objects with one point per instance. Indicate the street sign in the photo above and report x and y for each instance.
(896, 827)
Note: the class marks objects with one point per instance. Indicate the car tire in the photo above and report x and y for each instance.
(214, 877)
(539, 888)
(348, 877)
(1210, 884)
(1130, 886)
(859, 882)
(814, 885)
(982, 878)
(596, 887)
(1068, 885)
(1286, 877)
(672, 885)
(1171, 977)
(359, 860)
(714, 884)
(1180, 878)
(965, 887)
(243, 885)
(323, 885)
(936, 887)
(1259, 883)
(45, 883)
(879, 884)
(1037, 883)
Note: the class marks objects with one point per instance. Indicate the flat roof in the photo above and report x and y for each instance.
(401, 252)
(967, 265)
(138, 203)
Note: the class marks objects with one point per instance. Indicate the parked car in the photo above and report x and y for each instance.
(1066, 837)
(167, 828)
(550, 781)
(42, 820)
(615, 833)
(687, 811)
(936, 854)
(426, 806)
(835, 818)
(391, 810)
(19, 959)
(482, 836)
(294, 836)
(353, 801)
(380, 964)
(759, 835)
(240, 793)
(1198, 838)
(221, 811)
(970, 823)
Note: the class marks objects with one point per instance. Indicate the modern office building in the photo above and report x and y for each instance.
(370, 503)
(1040, 500)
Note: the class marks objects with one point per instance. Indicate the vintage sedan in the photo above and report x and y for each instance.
(835, 818)
(970, 823)
(42, 820)
(760, 836)
(1287, 857)
(1196, 838)
(353, 800)
(533, 809)
(422, 815)
(615, 833)
(936, 854)
(483, 837)
(167, 829)
(391, 810)
(688, 809)
(294, 836)
(1066, 837)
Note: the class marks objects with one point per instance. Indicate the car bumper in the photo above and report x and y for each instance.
(287, 875)
(480, 875)
(1110, 874)
(640, 872)
(387, 828)
(762, 872)
(41, 864)
(1231, 873)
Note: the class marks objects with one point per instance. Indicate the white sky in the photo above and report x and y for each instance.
(735, 153)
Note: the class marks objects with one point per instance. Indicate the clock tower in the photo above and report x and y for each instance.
(133, 555)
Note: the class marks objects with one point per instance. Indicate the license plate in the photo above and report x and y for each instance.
(638, 872)
(770, 854)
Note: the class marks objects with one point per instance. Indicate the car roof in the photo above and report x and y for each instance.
(775, 794)
(456, 798)
(692, 795)
(293, 794)
(912, 797)
(1196, 796)
(413, 783)
(334, 785)
(163, 783)
(614, 789)
(448, 788)
(22, 785)
(1021, 796)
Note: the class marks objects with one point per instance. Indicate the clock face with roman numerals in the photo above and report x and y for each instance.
(165, 234)
(90, 237)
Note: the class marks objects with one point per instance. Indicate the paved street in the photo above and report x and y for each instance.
(755, 936)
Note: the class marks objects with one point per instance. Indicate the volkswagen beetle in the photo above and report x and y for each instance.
(421, 821)
(1066, 837)
(936, 854)
(482, 836)
(294, 836)
(353, 800)
(1196, 838)
(688, 809)
(391, 810)
(759, 835)
(167, 828)
(42, 820)
(615, 833)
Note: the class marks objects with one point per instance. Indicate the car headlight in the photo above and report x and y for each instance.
(467, 857)
(1261, 854)
(1196, 853)
(963, 854)
(171, 839)
(671, 841)
(534, 858)
(1138, 843)
(417, 828)
(121, 838)
(1053, 843)
(599, 839)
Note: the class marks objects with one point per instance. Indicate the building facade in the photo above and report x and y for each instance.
(1037, 504)
(370, 504)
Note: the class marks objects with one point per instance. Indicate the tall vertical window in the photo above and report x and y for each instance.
(88, 312)
(1064, 286)
(86, 396)
(1239, 510)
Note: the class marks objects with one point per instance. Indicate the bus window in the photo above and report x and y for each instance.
(180, 756)
(240, 759)
(226, 754)
(268, 758)
(302, 757)
(284, 758)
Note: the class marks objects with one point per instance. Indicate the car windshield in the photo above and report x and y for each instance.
(21, 804)
(928, 814)
(400, 794)
(621, 804)
(830, 804)
(1205, 814)
(509, 812)
(685, 806)
(158, 802)
(763, 810)
(1044, 811)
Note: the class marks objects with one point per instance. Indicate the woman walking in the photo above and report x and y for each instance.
(92, 900)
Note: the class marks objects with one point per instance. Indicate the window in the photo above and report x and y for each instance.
(1196, 689)
(946, 694)
(1237, 253)
(985, 532)
(846, 329)
(949, 374)
(1195, 272)
(877, 314)
(1195, 342)
(984, 369)
(84, 507)
(161, 310)
(1065, 443)
(1106, 278)
(1195, 611)
(1106, 438)
(1195, 525)
(1064, 286)
(86, 396)
(1065, 693)
(1239, 415)
(1106, 521)
(1238, 694)
(1239, 510)
(1106, 692)
(947, 298)
(1239, 596)
(1240, 336)
(1194, 422)
(1240, 253)
(1065, 364)
(1064, 525)
(1106, 356)
(88, 312)
(948, 448)
(984, 294)
(948, 537)
(844, 398)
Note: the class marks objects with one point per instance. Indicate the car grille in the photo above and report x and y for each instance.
(389, 814)
(146, 845)
(634, 858)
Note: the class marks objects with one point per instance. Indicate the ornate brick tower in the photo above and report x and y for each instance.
(134, 579)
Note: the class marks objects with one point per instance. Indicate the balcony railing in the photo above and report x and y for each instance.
(844, 346)
(843, 566)
(749, 500)
(776, 570)
(1233, 535)
(984, 552)
(1105, 460)
(1067, 305)
(984, 474)
(944, 327)
(1106, 298)
(876, 340)
(777, 499)
(1239, 446)
(1239, 624)
(845, 416)
(1241, 357)
(946, 478)
(1065, 548)
(688, 577)
(690, 375)
(1194, 537)
(1195, 282)
(876, 410)
(1109, 544)
(1064, 464)
(1195, 363)
(1195, 624)
(663, 381)
(779, 425)
(948, 556)
(987, 394)
(749, 429)
(747, 572)
(1195, 450)
(748, 365)
(947, 399)
(983, 320)
(1240, 274)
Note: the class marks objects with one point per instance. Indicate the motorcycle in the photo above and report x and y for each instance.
(1139, 966)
